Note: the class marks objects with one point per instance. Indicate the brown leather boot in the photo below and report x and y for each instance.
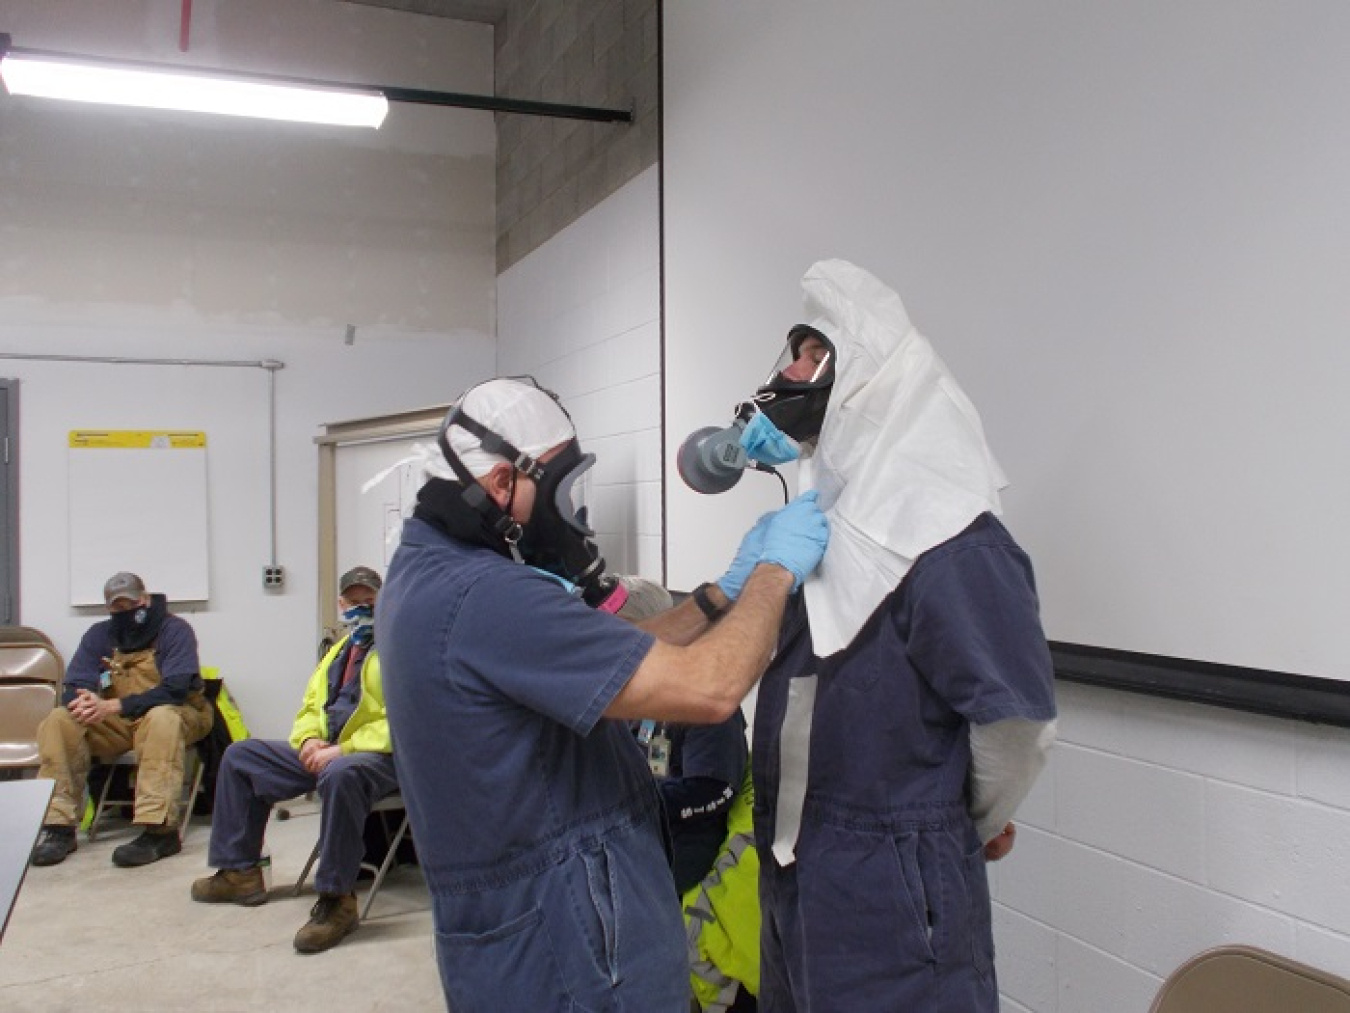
(232, 886)
(331, 919)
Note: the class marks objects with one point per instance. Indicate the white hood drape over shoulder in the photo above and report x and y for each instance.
(901, 463)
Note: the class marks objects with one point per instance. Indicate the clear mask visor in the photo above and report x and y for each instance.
(573, 496)
(809, 364)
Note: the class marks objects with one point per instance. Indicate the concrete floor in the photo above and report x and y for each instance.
(87, 936)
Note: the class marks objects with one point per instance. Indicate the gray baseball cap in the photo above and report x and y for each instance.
(360, 576)
(123, 585)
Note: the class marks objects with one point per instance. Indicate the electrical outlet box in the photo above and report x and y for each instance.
(274, 578)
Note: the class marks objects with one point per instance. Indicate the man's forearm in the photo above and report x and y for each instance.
(704, 682)
(734, 653)
(684, 623)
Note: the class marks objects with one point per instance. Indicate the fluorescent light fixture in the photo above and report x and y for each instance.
(112, 82)
(154, 86)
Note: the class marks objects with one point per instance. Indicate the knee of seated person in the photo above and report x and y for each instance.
(234, 753)
(338, 769)
(163, 717)
(59, 716)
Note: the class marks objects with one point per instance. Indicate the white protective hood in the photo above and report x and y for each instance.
(901, 463)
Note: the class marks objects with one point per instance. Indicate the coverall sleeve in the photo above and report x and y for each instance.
(87, 662)
(976, 636)
(179, 669)
(589, 655)
(712, 766)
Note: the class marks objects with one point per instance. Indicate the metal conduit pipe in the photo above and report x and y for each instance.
(271, 365)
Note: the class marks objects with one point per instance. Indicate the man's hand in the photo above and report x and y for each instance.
(999, 846)
(796, 537)
(319, 757)
(90, 709)
(747, 557)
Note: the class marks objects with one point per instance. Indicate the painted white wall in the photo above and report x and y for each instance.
(582, 315)
(165, 236)
(1161, 829)
(262, 642)
(1124, 230)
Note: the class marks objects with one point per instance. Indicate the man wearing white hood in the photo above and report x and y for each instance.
(911, 702)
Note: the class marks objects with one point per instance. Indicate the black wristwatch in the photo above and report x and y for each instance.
(705, 604)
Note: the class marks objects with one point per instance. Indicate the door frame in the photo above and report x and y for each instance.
(9, 459)
(379, 428)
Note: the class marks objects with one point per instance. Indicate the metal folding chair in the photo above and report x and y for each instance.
(31, 670)
(389, 804)
(1244, 979)
(193, 770)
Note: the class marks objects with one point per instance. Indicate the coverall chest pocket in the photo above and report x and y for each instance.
(859, 676)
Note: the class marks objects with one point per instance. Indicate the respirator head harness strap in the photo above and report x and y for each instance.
(558, 537)
(501, 522)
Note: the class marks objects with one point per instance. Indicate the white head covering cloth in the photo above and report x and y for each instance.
(901, 463)
(519, 412)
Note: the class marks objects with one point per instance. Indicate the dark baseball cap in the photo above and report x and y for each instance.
(360, 576)
(123, 585)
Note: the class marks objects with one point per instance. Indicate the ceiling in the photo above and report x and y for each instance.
(488, 11)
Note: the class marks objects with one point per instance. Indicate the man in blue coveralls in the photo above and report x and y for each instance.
(910, 704)
(536, 818)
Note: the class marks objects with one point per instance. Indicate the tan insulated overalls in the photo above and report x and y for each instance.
(159, 736)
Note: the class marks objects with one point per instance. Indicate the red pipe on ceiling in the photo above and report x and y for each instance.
(185, 26)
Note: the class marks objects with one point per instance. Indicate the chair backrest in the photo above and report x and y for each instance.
(23, 705)
(1244, 979)
(23, 635)
(28, 656)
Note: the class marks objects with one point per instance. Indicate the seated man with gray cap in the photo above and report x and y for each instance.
(134, 683)
(339, 747)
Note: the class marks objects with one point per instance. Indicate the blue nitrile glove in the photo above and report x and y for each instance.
(797, 537)
(747, 557)
(766, 443)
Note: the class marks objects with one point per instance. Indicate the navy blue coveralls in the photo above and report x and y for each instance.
(255, 774)
(887, 905)
(537, 820)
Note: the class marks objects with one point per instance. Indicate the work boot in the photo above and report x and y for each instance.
(151, 846)
(54, 845)
(232, 886)
(332, 917)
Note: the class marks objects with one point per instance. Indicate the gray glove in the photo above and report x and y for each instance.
(796, 537)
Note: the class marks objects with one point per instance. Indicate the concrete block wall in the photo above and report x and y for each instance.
(582, 315)
(1160, 829)
(550, 171)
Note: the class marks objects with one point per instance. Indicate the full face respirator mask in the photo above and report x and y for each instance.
(558, 538)
(787, 410)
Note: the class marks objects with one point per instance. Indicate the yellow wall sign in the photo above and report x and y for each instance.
(139, 439)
